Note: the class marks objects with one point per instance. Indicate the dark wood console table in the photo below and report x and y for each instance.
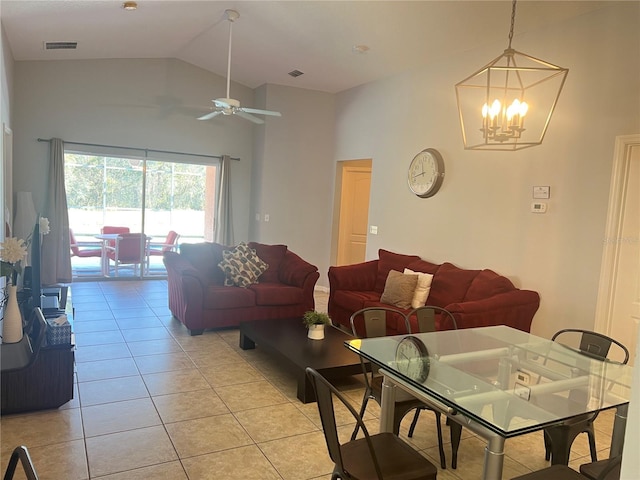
(46, 383)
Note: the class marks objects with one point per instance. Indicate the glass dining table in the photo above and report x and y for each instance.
(498, 382)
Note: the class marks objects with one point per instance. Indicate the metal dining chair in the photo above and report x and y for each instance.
(379, 456)
(602, 470)
(369, 323)
(372, 322)
(426, 322)
(20, 454)
(559, 438)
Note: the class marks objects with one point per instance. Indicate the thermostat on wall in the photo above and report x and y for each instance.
(538, 207)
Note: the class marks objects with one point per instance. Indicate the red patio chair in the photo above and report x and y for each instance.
(129, 249)
(158, 249)
(94, 248)
(111, 230)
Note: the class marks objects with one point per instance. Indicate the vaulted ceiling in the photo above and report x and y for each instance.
(273, 38)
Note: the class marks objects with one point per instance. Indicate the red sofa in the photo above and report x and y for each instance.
(476, 298)
(200, 300)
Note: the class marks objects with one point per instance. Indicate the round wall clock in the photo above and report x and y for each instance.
(426, 173)
(412, 358)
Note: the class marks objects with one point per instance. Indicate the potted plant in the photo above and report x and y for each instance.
(315, 322)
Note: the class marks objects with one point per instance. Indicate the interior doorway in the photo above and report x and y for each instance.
(354, 185)
(618, 306)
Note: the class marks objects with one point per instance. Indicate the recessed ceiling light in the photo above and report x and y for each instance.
(359, 49)
(130, 5)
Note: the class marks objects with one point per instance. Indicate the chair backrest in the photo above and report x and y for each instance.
(110, 229)
(170, 242)
(427, 319)
(592, 344)
(371, 322)
(130, 248)
(73, 243)
(325, 393)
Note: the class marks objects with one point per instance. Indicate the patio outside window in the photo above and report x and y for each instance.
(148, 196)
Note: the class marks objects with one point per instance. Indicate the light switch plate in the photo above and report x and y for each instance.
(542, 192)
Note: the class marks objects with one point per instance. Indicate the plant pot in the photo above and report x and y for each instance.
(316, 332)
(12, 319)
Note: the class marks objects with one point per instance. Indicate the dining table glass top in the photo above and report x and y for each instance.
(507, 380)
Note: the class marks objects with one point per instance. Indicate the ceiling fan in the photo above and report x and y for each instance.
(228, 105)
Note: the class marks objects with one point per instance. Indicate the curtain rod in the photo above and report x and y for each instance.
(219, 157)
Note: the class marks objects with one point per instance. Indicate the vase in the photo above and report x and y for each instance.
(12, 324)
(316, 332)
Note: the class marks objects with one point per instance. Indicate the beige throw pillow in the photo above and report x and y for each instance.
(399, 289)
(423, 287)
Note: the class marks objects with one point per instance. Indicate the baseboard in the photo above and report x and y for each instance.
(321, 289)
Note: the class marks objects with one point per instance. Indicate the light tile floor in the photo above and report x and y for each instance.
(153, 402)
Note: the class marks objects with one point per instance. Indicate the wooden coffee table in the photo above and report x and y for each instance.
(286, 340)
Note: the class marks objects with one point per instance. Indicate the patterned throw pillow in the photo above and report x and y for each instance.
(241, 266)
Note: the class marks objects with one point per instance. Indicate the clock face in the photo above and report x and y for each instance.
(412, 359)
(426, 173)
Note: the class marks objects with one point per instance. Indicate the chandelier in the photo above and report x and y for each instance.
(508, 103)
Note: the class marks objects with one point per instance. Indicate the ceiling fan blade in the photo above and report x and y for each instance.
(261, 112)
(249, 117)
(210, 115)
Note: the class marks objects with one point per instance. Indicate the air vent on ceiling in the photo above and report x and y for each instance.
(296, 73)
(60, 45)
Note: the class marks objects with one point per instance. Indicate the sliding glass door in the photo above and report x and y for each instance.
(151, 196)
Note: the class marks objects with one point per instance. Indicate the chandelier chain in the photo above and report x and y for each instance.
(513, 21)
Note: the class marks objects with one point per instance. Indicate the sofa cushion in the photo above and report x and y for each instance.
(353, 300)
(450, 285)
(205, 258)
(219, 297)
(388, 261)
(424, 266)
(272, 255)
(241, 266)
(399, 288)
(487, 284)
(423, 287)
(276, 294)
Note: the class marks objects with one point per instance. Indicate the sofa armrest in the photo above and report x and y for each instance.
(185, 284)
(357, 277)
(178, 265)
(515, 309)
(295, 271)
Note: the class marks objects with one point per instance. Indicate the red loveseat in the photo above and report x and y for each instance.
(199, 298)
(476, 298)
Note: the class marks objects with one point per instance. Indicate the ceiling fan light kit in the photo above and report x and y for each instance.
(228, 105)
(508, 103)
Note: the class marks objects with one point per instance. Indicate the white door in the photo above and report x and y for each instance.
(618, 310)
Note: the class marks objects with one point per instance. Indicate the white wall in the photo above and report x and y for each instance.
(293, 173)
(116, 102)
(480, 218)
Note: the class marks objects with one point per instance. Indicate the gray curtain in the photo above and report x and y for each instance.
(56, 256)
(223, 230)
